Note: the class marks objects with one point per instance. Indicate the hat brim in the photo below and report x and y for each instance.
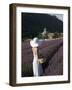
(33, 44)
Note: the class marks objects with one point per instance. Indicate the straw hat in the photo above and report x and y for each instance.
(34, 42)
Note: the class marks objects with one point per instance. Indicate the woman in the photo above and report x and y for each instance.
(37, 67)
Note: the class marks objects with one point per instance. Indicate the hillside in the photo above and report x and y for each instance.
(51, 50)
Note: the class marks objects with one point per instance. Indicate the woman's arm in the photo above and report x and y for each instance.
(34, 50)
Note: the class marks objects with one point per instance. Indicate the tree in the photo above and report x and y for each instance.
(56, 35)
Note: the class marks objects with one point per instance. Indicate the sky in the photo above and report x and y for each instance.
(59, 16)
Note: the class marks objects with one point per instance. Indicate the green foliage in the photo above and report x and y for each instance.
(56, 35)
(40, 36)
(60, 34)
(45, 36)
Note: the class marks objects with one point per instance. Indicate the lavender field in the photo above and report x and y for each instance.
(51, 50)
